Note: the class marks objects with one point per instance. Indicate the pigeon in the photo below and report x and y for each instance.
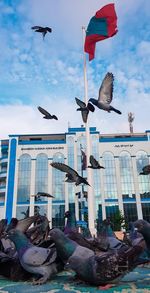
(84, 109)
(47, 114)
(39, 194)
(105, 94)
(36, 260)
(145, 170)
(95, 164)
(74, 175)
(71, 222)
(144, 228)
(42, 30)
(95, 269)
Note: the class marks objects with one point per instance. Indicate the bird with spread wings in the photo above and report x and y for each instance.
(105, 94)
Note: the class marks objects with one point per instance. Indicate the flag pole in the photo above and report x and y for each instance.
(90, 197)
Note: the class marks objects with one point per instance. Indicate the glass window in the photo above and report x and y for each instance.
(40, 210)
(71, 186)
(22, 212)
(109, 175)
(24, 178)
(126, 174)
(146, 211)
(143, 180)
(130, 212)
(58, 219)
(58, 177)
(41, 175)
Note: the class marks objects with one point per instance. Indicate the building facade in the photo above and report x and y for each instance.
(25, 170)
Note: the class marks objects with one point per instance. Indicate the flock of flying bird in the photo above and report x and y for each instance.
(38, 251)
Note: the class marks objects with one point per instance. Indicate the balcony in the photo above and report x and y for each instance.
(3, 174)
(2, 188)
(4, 159)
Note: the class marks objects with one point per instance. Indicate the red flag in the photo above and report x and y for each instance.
(101, 26)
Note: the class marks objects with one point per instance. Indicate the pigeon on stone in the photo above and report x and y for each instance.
(94, 163)
(42, 30)
(84, 109)
(145, 170)
(36, 260)
(144, 228)
(46, 114)
(74, 174)
(95, 269)
(105, 95)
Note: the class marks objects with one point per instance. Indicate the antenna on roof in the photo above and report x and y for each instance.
(130, 120)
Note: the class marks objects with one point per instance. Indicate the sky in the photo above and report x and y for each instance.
(49, 73)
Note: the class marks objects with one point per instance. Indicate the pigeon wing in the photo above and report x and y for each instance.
(64, 168)
(36, 27)
(85, 115)
(43, 111)
(80, 103)
(36, 256)
(90, 107)
(93, 161)
(106, 89)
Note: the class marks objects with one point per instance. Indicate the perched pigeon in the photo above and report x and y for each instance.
(105, 95)
(36, 260)
(144, 228)
(95, 269)
(39, 194)
(42, 30)
(84, 109)
(47, 114)
(74, 175)
(71, 222)
(145, 170)
(95, 164)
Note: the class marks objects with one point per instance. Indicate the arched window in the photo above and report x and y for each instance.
(71, 186)
(41, 174)
(110, 182)
(126, 174)
(143, 180)
(96, 173)
(58, 178)
(24, 178)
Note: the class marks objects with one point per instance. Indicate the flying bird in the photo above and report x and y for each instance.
(95, 164)
(84, 109)
(47, 114)
(42, 30)
(105, 94)
(145, 170)
(39, 194)
(71, 173)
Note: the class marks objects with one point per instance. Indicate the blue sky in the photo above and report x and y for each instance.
(50, 73)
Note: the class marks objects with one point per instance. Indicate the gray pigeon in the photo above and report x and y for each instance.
(84, 109)
(42, 30)
(47, 114)
(95, 164)
(145, 170)
(105, 94)
(95, 269)
(36, 260)
(144, 228)
(71, 173)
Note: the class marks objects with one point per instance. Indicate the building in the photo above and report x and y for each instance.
(25, 169)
